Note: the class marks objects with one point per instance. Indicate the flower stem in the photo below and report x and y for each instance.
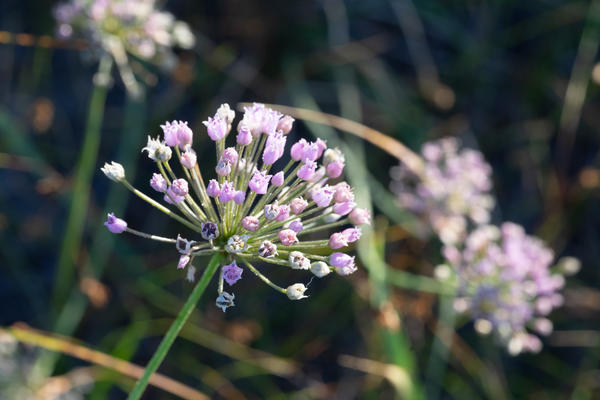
(175, 328)
(81, 186)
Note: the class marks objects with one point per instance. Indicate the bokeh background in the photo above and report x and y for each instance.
(516, 80)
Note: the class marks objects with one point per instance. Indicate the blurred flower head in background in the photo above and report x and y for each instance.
(125, 26)
(248, 212)
(18, 378)
(452, 191)
(506, 284)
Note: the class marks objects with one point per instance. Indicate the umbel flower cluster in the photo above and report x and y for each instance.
(452, 191)
(125, 26)
(503, 277)
(249, 212)
(505, 283)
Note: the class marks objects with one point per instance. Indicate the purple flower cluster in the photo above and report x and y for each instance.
(505, 283)
(453, 188)
(251, 211)
(125, 26)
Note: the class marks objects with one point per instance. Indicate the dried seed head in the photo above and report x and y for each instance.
(225, 300)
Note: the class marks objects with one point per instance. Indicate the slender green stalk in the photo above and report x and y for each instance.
(438, 358)
(175, 328)
(70, 315)
(81, 185)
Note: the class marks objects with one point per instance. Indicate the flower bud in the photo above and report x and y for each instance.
(298, 205)
(274, 148)
(285, 124)
(344, 208)
(230, 155)
(188, 159)
(271, 211)
(296, 225)
(323, 196)
(250, 223)
(284, 212)
(320, 269)
(227, 192)
(216, 127)
(298, 260)
(277, 179)
(333, 155)
(307, 171)
(223, 167)
(296, 291)
(114, 171)
(244, 136)
(239, 197)
(179, 187)
(287, 237)
(297, 149)
(184, 135)
(337, 241)
(158, 183)
(259, 182)
(343, 193)
(352, 234)
(343, 263)
(360, 216)
(226, 113)
(334, 169)
(172, 198)
(213, 189)
(114, 224)
(569, 265)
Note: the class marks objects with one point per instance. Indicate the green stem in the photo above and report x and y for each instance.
(438, 358)
(81, 187)
(175, 328)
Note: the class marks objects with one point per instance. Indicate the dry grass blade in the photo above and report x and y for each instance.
(381, 140)
(50, 342)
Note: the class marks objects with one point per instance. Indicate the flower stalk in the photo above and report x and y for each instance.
(176, 327)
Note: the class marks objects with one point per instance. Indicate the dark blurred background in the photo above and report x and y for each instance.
(516, 80)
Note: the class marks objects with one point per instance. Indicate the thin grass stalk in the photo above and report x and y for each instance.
(81, 186)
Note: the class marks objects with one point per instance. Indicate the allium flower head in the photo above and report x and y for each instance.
(505, 283)
(125, 26)
(248, 212)
(453, 189)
